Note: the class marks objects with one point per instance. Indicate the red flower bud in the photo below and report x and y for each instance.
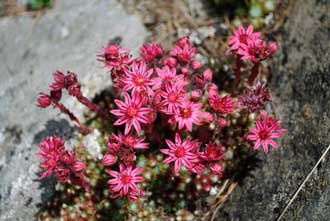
(170, 62)
(216, 168)
(196, 95)
(74, 90)
(43, 100)
(71, 79)
(55, 96)
(109, 159)
(78, 166)
(59, 83)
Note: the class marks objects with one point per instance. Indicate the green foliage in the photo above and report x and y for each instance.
(39, 4)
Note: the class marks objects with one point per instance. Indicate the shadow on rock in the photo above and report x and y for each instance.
(60, 128)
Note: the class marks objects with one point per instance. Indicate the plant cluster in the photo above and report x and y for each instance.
(167, 116)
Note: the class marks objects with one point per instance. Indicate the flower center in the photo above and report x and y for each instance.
(132, 111)
(213, 153)
(243, 39)
(130, 141)
(220, 106)
(168, 78)
(185, 112)
(264, 134)
(126, 179)
(172, 97)
(179, 152)
(139, 80)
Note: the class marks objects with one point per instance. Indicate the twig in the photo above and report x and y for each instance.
(303, 183)
(231, 188)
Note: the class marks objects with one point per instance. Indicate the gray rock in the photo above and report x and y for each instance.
(301, 87)
(68, 37)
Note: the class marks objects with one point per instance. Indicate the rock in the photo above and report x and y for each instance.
(301, 88)
(67, 37)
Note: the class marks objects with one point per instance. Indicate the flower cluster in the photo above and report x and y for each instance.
(166, 104)
(247, 45)
(61, 162)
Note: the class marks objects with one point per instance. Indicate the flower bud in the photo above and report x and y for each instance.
(78, 166)
(59, 81)
(195, 64)
(109, 159)
(43, 100)
(112, 49)
(207, 117)
(195, 95)
(184, 70)
(170, 62)
(55, 96)
(74, 90)
(222, 122)
(216, 168)
(71, 79)
(199, 80)
(207, 74)
(272, 47)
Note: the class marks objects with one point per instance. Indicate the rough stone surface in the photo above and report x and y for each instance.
(301, 88)
(68, 37)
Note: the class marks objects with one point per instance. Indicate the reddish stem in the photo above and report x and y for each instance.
(254, 73)
(91, 106)
(239, 63)
(72, 117)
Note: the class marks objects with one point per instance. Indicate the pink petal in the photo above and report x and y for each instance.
(177, 166)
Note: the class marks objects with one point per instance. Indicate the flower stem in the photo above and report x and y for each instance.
(63, 109)
(254, 73)
(239, 63)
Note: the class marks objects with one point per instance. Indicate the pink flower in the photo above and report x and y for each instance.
(212, 152)
(125, 180)
(173, 96)
(133, 142)
(222, 104)
(183, 51)
(51, 149)
(165, 76)
(241, 37)
(188, 114)
(44, 100)
(151, 51)
(131, 113)
(138, 79)
(256, 50)
(180, 153)
(267, 128)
